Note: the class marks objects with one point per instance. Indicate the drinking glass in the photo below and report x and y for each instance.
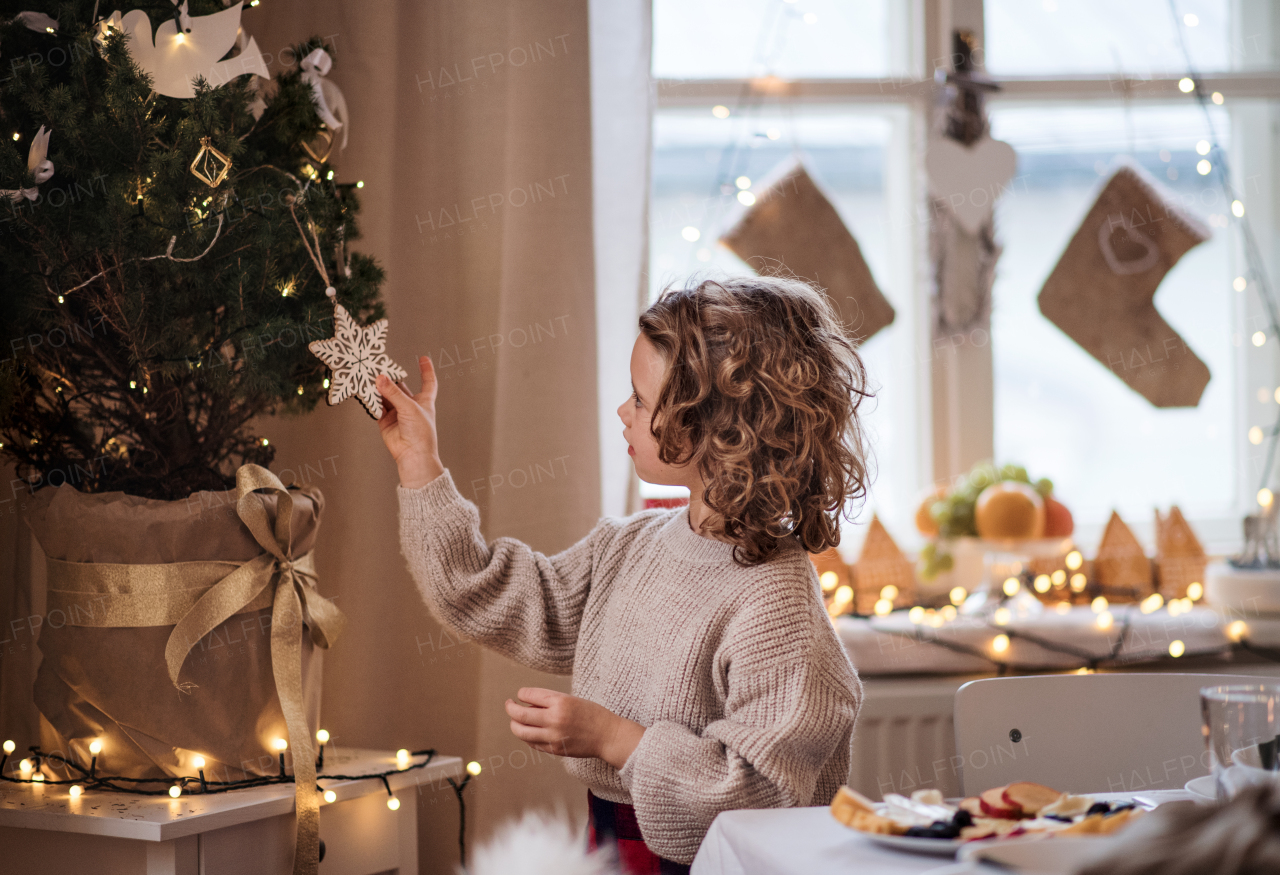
(1241, 726)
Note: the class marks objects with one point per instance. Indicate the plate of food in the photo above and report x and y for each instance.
(927, 823)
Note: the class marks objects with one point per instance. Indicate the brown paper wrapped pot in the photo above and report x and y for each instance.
(112, 683)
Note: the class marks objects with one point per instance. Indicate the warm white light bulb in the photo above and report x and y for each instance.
(1002, 616)
(402, 758)
(958, 595)
(1011, 586)
(322, 736)
(743, 182)
(1074, 560)
(1105, 619)
(1239, 284)
(1099, 604)
(746, 198)
(198, 762)
(473, 768)
(720, 111)
(1186, 85)
(95, 747)
(1237, 209)
(280, 744)
(883, 607)
(1000, 643)
(1203, 147)
(75, 790)
(916, 615)
(1042, 583)
(690, 233)
(1237, 630)
(393, 803)
(889, 592)
(9, 747)
(1177, 648)
(330, 796)
(1195, 590)
(24, 766)
(829, 580)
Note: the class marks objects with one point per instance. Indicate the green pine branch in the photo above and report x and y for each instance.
(122, 366)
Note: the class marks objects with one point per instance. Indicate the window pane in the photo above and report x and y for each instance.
(731, 39)
(1135, 37)
(697, 162)
(1058, 410)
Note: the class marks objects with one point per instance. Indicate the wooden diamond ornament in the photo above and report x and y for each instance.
(210, 166)
(355, 356)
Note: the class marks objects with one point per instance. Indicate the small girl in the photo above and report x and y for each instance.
(706, 674)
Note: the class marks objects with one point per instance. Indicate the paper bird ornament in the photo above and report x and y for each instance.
(38, 163)
(356, 356)
(173, 59)
(331, 106)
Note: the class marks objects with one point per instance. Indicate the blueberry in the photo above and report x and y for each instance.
(961, 819)
(1098, 808)
(1058, 817)
(1122, 806)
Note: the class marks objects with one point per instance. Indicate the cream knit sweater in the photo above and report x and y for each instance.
(748, 699)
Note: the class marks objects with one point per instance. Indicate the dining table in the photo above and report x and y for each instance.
(809, 841)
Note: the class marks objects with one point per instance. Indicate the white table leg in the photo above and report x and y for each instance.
(177, 857)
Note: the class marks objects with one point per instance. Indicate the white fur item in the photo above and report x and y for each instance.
(539, 844)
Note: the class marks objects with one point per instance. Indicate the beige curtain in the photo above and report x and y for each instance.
(472, 129)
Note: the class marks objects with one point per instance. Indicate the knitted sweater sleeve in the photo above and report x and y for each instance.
(504, 595)
(792, 700)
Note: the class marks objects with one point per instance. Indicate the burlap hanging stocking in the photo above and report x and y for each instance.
(794, 229)
(1100, 293)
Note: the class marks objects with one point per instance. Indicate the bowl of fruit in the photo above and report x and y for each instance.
(989, 510)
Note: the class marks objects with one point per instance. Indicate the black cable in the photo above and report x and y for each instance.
(462, 818)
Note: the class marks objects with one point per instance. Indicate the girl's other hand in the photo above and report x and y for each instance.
(408, 427)
(555, 722)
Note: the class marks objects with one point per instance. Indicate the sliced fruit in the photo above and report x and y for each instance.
(1030, 797)
(994, 805)
(971, 804)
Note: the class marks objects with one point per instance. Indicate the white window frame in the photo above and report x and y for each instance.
(954, 405)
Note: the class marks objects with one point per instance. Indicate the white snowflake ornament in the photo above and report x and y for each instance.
(355, 357)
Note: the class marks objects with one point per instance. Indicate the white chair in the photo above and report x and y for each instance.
(1094, 733)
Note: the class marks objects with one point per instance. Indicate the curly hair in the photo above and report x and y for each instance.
(761, 391)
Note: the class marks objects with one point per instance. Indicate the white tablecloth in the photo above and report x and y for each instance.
(809, 841)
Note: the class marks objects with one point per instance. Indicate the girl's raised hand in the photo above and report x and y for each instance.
(408, 427)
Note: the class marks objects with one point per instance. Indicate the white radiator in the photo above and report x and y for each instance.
(905, 739)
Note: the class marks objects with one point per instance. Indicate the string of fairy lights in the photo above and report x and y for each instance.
(82, 780)
(1068, 582)
(1255, 274)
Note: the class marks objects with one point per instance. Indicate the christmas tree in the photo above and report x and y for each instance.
(149, 314)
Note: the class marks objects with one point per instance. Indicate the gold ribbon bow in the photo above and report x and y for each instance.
(196, 597)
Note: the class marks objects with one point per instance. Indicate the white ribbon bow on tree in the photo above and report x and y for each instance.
(38, 163)
(315, 67)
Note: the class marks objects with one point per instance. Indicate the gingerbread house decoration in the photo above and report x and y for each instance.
(1121, 566)
(836, 580)
(1180, 558)
(880, 565)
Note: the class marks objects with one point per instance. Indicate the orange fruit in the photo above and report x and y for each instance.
(1009, 509)
(925, 522)
(1057, 519)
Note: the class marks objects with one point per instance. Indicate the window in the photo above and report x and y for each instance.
(1090, 81)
